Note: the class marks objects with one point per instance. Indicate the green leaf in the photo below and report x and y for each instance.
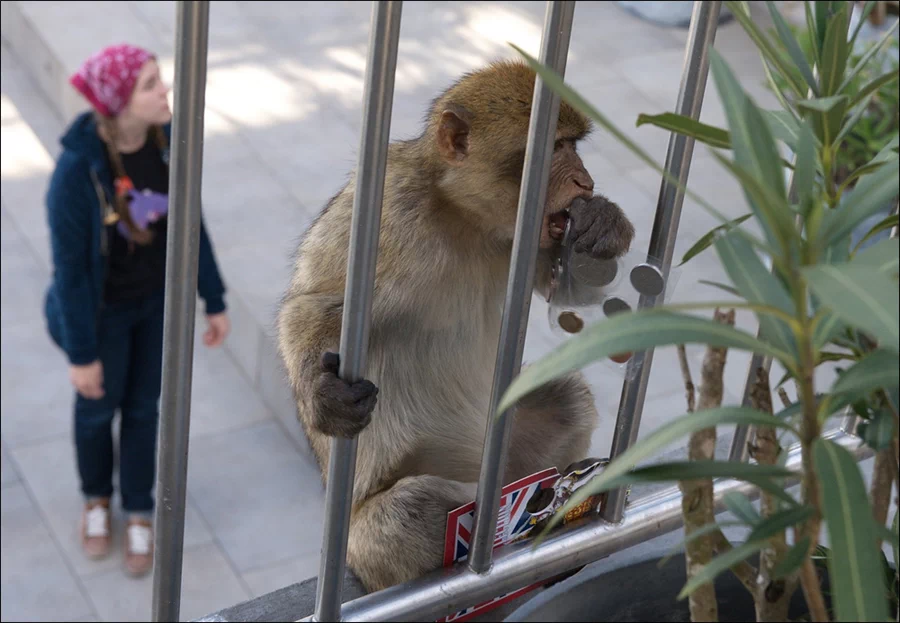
(758, 285)
(767, 48)
(872, 194)
(721, 286)
(887, 223)
(879, 432)
(824, 12)
(884, 256)
(755, 155)
(763, 476)
(719, 564)
(876, 370)
(827, 115)
(766, 205)
(783, 126)
(742, 508)
(779, 522)
(853, 562)
(792, 560)
(873, 86)
(835, 51)
(715, 137)
(765, 151)
(793, 47)
(673, 430)
(852, 120)
(813, 32)
(867, 9)
(858, 172)
(871, 52)
(861, 298)
(805, 167)
(830, 326)
(707, 239)
(696, 534)
(633, 332)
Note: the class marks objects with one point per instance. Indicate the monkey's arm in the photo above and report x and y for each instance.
(309, 331)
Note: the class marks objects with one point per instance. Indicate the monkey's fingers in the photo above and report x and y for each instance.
(331, 362)
(362, 390)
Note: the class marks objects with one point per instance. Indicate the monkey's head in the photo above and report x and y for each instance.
(477, 133)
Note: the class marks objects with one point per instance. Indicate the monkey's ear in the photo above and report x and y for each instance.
(453, 134)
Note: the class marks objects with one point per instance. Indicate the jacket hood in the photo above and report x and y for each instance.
(81, 137)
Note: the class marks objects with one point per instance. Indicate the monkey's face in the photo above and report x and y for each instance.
(568, 181)
(485, 174)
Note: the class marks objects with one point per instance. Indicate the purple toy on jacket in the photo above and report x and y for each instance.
(146, 207)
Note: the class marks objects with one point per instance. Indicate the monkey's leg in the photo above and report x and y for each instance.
(398, 534)
(553, 427)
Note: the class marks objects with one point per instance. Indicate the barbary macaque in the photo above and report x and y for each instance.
(420, 414)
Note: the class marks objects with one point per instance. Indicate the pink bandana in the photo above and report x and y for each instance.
(107, 78)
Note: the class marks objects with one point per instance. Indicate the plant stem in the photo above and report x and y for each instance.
(809, 432)
(808, 577)
(882, 482)
(697, 505)
(743, 571)
(772, 598)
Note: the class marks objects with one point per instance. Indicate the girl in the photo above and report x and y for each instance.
(106, 207)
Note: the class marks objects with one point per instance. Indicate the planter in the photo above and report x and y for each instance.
(638, 591)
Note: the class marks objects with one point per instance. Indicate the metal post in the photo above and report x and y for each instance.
(445, 591)
(183, 244)
(365, 226)
(704, 20)
(536, 172)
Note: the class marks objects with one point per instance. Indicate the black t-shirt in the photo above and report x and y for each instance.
(141, 270)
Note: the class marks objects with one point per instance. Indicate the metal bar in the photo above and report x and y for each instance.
(182, 249)
(365, 226)
(446, 591)
(538, 154)
(702, 34)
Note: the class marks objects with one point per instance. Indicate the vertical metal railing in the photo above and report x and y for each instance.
(519, 565)
(533, 192)
(183, 243)
(702, 34)
(365, 228)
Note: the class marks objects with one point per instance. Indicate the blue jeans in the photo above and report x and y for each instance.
(130, 348)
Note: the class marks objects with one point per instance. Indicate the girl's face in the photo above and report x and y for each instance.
(149, 102)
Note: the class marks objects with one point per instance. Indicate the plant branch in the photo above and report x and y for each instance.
(697, 501)
(743, 571)
(785, 400)
(882, 481)
(686, 377)
(772, 598)
(809, 578)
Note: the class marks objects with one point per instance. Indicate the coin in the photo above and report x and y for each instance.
(647, 279)
(571, 322)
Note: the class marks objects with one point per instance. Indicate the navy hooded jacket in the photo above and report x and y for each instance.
(79, 195)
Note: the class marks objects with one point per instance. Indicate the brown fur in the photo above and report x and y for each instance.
(448, 217)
